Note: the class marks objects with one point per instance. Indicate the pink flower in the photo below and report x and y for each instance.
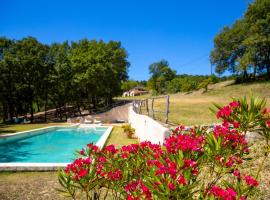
(115, 175)
(82, 173)
(93, 147)
(171, 186)
(189, 163)
(102, 159)
(234, 104)
(266, 110)
(224, 112)
(182, 180)
(236, 173)
(228, 194)
(236, 124)
(87, 161)
(251, 181)
(268, 123)
(82, 151)
(111, 148)
(184, 142)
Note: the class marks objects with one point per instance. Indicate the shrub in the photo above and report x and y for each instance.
(128, 130)
(194, 163)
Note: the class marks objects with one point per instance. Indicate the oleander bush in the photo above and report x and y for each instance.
(193, 163)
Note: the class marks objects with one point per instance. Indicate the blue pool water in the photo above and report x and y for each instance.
(57, 146)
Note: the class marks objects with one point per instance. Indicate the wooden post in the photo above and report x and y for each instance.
(167, 109)
(152, 108)
(146, 105)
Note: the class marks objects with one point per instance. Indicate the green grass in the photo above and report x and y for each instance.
(118, 138)
(13, 128)
(193, 108)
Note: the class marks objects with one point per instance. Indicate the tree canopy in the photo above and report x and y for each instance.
(35, 76)
(160, 74)
(245, 46)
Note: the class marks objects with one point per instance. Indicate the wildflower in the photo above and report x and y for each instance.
(251, 181)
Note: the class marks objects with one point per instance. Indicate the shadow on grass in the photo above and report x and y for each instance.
(4, 128)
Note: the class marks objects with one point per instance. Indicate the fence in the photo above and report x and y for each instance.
(154, 110)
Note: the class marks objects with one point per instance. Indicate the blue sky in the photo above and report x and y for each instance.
(180, 31)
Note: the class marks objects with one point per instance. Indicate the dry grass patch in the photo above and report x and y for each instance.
(13, 128)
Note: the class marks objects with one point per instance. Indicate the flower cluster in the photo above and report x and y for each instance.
(184, 142)
(218, 192)
(79, 168)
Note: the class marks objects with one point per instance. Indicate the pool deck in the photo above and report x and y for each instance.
(47, 166)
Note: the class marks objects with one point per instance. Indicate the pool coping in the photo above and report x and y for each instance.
(47, 166)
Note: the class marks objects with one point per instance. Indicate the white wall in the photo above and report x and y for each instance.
(146, 128)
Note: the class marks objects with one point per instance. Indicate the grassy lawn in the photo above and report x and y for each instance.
(118, 138)
(13, 128)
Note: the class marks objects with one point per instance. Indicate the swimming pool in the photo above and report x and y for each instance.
(50, 145)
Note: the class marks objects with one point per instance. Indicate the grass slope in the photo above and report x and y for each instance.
(193, 108)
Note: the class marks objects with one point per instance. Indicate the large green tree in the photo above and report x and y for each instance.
(160, 74)
(99, 68)
(246, 45)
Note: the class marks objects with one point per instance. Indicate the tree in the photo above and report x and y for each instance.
(99, 68)
(246, 45)
(160, 74)
(60, 79)
(7, 80)
(128, 85)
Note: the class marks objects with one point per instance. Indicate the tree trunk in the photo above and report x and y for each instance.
(45, 111)
(268, 72)
(60, 111)
(10, 111)
(254, 73)
(245, 76)
(79, 109)
(38, 106)
(32, 113)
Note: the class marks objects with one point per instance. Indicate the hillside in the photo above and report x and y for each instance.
(193, 108)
